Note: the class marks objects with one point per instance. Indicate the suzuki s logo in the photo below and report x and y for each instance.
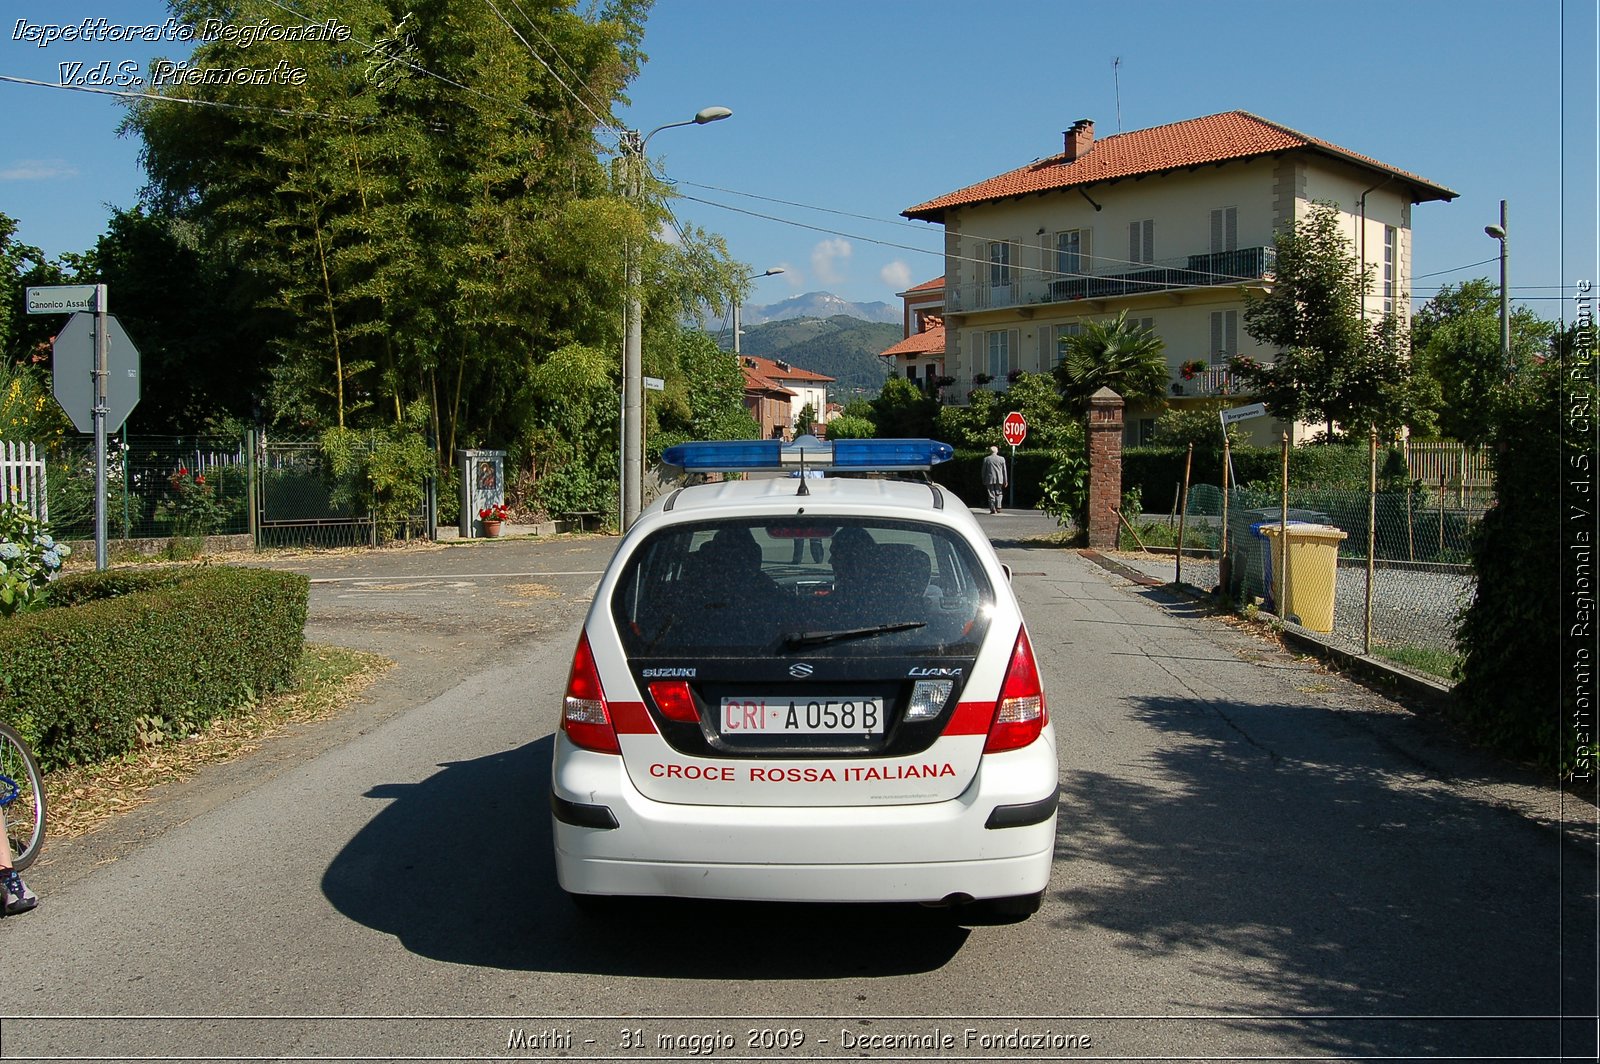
(800, 671)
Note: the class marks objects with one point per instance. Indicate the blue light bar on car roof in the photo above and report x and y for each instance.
(730, 456)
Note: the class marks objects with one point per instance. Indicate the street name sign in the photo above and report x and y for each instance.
(655, 384)
(73, 370)
(66, 298)
(1244, 413)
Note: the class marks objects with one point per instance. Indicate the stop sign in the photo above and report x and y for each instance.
(1016, 428)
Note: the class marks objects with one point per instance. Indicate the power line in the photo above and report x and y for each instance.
(581, 101)
(156, 97)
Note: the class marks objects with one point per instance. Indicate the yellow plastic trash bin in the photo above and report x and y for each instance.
(1313, 574)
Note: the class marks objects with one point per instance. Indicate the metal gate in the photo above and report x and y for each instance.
(294, 502)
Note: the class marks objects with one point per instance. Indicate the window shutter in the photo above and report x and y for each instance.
(1085, 251)
(1149, 240)
(1231, 339)
(1216, 333)
(1133, 242)
(1224, 229)
(1013, 350)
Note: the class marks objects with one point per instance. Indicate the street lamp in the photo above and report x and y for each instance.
(1499, 233)
(752, 277)
(633, 146)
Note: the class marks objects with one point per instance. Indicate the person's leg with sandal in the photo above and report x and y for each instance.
(15, 897)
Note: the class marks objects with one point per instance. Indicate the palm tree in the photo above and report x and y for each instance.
(1116, 354)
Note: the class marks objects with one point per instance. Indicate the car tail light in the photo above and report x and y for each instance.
(673, 699)
(584, 716)
(1019, 715)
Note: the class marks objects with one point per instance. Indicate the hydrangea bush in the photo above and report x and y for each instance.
(29, 559)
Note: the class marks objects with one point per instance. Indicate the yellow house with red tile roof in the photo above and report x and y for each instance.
(1173, 224)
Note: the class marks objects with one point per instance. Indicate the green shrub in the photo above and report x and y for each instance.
(1511, 692)
(29, 559)
(1157, 472)
(146, 653)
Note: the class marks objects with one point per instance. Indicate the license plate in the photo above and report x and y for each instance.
(796, 716)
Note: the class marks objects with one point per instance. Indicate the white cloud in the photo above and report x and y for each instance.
(826, 259)
(38, 170)
(897, 275)
(792, 276)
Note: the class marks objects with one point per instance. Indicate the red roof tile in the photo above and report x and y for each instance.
(922, 343)
(781, 371)
(1195, 142)
(926, 286)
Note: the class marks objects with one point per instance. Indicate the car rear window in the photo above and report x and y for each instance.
(850, 587)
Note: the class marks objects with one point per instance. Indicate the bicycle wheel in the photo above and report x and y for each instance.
(21, 798)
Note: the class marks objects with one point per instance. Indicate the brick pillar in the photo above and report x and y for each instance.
(1105, 467)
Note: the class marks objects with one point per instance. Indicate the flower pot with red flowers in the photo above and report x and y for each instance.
(492, 517)
(1192, 369)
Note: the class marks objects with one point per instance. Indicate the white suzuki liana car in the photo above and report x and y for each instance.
(803, 688)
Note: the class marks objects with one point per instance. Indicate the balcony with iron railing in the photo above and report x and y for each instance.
(1210, 381)
(1116, 279)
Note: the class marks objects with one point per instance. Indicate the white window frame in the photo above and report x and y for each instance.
(1001, 354)
(1072, 260)
(1000, 265)
(1391, 255)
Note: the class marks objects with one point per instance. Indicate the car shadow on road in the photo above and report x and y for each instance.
(459, 868)
(1329, 892)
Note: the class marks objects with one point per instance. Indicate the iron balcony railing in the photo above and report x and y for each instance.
(1025, 287)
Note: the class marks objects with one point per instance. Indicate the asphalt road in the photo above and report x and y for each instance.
(1256, 859)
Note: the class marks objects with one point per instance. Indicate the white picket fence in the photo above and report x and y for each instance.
(22, 478)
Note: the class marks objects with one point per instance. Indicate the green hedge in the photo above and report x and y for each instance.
(1158, 471)
(157, 653)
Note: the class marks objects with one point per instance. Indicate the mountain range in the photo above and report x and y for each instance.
(820, 305)
(843, 347)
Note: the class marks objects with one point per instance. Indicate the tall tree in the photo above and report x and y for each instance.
(1115, 353)
(1333, 365)
(1455, 339)
(23, 336)
(428, 211)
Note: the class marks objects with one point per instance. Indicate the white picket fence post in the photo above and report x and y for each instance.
(22, 478)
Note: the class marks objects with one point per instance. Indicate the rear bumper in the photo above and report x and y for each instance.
(914, 853)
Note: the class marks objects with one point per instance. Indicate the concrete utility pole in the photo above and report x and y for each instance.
(633, 147)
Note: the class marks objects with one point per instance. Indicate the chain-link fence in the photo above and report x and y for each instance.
(1383, 573)
(156, 487)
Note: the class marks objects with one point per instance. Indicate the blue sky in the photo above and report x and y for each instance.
(846, 112)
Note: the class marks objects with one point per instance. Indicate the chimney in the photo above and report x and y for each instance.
(1079, 138)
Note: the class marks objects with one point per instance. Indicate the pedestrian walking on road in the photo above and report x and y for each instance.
(995, 479)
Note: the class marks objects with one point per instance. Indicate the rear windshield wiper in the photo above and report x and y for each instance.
(812, 639)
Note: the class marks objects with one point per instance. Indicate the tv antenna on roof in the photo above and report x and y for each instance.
(1116, 81)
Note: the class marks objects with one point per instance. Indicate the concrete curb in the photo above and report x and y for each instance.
(1373, 672)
